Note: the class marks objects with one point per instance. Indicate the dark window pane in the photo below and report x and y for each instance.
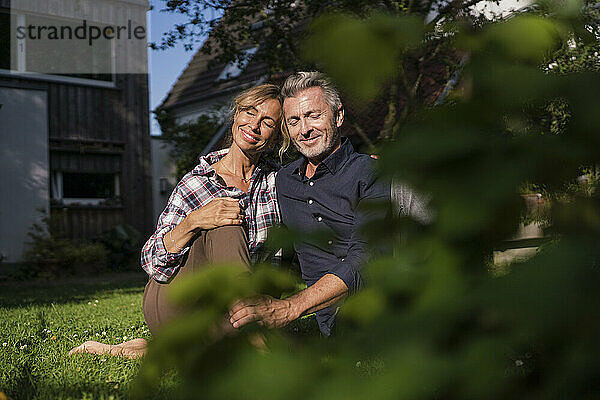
(5, 51)
(88, 186)
(96, 77)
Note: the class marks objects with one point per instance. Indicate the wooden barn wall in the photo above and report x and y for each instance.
(87, 222)
(136, 184)
(97, 129)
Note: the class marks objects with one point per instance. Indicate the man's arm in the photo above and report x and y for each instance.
(274, 313)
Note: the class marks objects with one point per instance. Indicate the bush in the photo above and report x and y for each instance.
(122, 243)
(51, 254)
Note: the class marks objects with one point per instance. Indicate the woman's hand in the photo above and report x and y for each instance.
(221, 211)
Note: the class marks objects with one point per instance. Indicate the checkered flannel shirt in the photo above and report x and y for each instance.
(198, 188)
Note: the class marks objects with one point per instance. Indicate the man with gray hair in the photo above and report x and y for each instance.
(320, 192)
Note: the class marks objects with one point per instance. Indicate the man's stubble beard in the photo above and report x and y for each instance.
(322, 151)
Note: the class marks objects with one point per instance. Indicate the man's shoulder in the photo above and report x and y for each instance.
(360, 164)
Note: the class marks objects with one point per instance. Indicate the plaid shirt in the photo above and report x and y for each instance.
(198, 188)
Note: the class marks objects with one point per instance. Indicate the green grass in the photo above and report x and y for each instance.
(41, 321)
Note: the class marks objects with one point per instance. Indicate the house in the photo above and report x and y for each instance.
(75, 118)
(208, 87)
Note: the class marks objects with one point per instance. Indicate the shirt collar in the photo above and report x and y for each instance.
(332, 162)
(204, 166)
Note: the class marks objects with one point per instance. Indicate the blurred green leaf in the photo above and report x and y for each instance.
(365, 306)
(433, 318)
(525, 38)
(343, 44)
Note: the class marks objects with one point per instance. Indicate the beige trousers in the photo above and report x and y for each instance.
(220, 245)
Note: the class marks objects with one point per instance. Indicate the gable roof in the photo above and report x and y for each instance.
(199, 80)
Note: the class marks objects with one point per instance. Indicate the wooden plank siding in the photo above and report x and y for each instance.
(98, 129)
(87, 222)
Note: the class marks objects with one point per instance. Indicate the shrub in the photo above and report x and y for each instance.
(122, 244)
(50, 254)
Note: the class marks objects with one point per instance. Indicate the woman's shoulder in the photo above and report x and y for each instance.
(196, 179)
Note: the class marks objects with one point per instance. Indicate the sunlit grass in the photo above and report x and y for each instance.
(40, 322)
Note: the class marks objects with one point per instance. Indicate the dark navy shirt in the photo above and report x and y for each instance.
(326, 208)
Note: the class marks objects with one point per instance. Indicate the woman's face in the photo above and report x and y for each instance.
(254, 128)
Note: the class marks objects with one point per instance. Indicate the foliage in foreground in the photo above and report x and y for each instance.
(436, 321)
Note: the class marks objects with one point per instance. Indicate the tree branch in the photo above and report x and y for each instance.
(364, 137)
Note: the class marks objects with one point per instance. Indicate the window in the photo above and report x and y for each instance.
(164, 186)
(7, 52)
(31, 37)
(90, 186)
(235, 68)
(84, 188)
(95, 60)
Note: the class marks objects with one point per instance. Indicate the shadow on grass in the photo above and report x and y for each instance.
(26, 387)
(21, 294)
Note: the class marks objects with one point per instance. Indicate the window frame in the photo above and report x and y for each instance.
(22, 72)
(57, 191)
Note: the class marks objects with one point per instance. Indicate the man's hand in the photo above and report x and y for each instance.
(274, 313)
(265, 310)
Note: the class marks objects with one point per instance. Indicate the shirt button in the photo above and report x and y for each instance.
(319, 219)
(310, 201)
(311, 183)
(330, 242)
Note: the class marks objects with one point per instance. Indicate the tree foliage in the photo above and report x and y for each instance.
(434, 323)
(187, 139)
(285, 35)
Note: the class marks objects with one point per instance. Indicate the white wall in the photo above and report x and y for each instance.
(23, 166)
(162, 167)
(217, 107)
(131, 53)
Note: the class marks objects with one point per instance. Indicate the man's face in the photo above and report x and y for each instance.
(312, 125)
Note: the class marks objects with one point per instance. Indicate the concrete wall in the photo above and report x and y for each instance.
(24, 166)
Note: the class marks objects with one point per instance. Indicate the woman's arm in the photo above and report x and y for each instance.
(221, 211)
(179, 222)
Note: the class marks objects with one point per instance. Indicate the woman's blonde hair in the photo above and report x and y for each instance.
(252, 97)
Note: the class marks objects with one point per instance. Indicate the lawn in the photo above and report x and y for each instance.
(41, 321)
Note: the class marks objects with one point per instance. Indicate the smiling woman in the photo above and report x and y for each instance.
(256, 116)
(219, 212)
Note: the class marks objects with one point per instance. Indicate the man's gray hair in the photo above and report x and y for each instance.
(304, 80)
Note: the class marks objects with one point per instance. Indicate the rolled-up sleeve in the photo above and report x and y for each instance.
(348, 268)
(158, 263)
